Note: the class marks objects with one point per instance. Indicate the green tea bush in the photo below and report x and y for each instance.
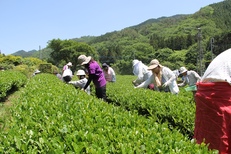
(11, 81)
(177, 110)
(53, 117)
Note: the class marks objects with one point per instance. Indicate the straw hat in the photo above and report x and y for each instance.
(82, 59)
(153, 64)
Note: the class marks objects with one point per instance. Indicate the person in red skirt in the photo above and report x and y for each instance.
(213, 105)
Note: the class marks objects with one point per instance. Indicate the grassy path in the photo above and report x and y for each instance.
(5, 105)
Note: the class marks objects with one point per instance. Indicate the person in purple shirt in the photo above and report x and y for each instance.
(95, 74)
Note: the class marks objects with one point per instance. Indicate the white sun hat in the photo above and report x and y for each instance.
(134, 62)
(69, 64)
(182, 70)
(80, 72)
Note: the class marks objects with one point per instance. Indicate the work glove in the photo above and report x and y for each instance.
(165, 84)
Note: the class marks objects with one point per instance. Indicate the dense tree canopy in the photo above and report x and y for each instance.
(64, 51)
(174, 41)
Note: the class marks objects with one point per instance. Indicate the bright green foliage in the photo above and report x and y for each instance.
(177, 110)
(45, 67)
(11, 81)
(53, 117)
(64, 51)
(150, 39)
(10, 59)
(30, 61)
(25, 69)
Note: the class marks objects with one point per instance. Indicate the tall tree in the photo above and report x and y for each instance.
(65, 51)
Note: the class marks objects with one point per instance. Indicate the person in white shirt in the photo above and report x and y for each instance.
(190, 77)
(177, 73)
(213, 105)
(109, 73)
(67, 66)
(162, 77)
(81, 82)
(141, 71)
(67, 75)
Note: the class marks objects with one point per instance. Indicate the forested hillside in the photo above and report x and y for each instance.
(174, 41)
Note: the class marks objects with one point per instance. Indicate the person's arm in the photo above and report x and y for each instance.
(64, 68)
(183, 83)
(169, 76)
(146, 83)
(113, 78)
(197, 76)
(73, 83)
(79, 83)
(113, 75)
(140, 76)
(90, 77)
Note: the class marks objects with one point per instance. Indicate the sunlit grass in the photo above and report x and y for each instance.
(5, 106)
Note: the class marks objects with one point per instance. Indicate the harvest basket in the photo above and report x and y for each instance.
(191, 88)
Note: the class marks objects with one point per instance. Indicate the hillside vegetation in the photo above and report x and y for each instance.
(174, 41)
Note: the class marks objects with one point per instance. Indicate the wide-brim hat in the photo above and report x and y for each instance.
(182, 70)
(153, 64)
(151, 67)
(82, 59)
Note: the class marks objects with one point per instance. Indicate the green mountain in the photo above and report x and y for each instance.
(177, 40)
(23, 53)
(41, 54)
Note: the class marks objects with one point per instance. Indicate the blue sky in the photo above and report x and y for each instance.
(30, 24)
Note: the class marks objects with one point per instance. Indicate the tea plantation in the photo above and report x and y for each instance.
(53, 117)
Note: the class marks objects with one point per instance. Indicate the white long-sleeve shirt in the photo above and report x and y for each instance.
(142, 72)
(80, 84)
(67, 72)
(191, 79)
(169, 77)
(219, 69)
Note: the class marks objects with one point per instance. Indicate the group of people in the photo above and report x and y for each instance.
(212, 91)
(161, 78)
(100, 75)
(212, 94)
(155, 76)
